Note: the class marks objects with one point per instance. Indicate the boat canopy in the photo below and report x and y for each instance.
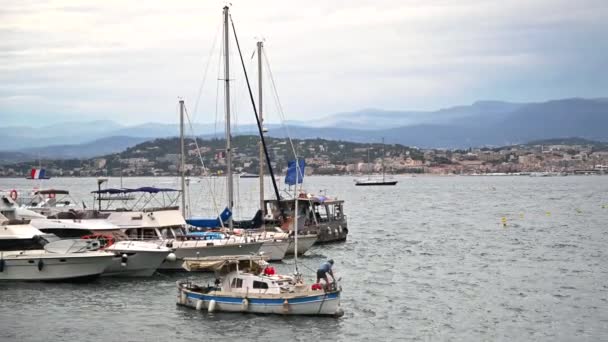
(211, 223)
(223, 265)
(147, 189)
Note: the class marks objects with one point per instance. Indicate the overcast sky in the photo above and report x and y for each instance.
(129, 61)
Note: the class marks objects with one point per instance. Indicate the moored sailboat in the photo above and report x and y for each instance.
(249, 285)
(376, 181)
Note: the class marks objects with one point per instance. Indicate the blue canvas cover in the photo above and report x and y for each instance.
(210, 223)
(290, 177)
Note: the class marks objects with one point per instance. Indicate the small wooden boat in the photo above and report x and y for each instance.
(249, 285)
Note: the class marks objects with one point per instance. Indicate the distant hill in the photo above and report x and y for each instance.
(483, 123)
(14, 157)
(569, 141)
(86, 150)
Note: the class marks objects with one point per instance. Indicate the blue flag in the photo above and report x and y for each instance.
(290, 177)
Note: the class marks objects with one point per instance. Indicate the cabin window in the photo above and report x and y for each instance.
(149, 234)
(260, 285)
(338, 211)
(237, 283)
(166, 233)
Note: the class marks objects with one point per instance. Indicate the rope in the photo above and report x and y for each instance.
(200, 156)
(200, 89)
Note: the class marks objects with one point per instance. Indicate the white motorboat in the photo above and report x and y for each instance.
(131, 258)
(26, 254)
(166, 227)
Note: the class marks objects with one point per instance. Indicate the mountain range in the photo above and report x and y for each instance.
(483, 123)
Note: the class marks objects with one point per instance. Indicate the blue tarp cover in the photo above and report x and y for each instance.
(290, 177)
(210, 223)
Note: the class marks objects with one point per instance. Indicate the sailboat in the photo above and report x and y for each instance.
(248, 284)
(375, 181)
(275, 245)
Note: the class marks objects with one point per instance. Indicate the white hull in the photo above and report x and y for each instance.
(139, 263)
(200, 249)
(54, 267)
(275, 249)
(321, 304)
(305, 242)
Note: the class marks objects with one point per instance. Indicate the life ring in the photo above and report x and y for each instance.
(14, 195)
(104, 240)
(52, 195)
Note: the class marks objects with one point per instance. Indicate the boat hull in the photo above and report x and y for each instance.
(376, 183)
(327, 232)
(138, 263)
(53, 267)
(275, 249)
(305, 242)
(199, 249)
(321, 304)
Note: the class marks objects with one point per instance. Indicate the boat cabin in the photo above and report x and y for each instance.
(242, 282)
(21, 236)
(312, 211)
(251, 275)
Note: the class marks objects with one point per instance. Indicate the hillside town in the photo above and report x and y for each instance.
(160, 157)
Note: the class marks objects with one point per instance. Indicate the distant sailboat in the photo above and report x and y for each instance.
(374, 181)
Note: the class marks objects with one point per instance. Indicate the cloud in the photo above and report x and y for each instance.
(130, 61)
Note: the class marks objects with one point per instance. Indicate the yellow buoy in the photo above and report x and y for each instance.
(548, 213)
(504, 221)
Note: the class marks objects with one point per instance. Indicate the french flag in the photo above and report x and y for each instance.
(38, 174)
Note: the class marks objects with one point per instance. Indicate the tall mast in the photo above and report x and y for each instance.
(383, 153)
(295, 217)
(227, 105)
(182, 156)
(260, 45)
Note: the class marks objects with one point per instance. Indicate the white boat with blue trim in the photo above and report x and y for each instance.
(249, 285)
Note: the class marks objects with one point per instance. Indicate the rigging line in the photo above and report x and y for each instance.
(278, 103)
(282, 115)
(200, 156)
(200, 89)
(257, 118)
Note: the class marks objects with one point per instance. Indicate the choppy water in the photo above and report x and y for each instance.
(426, 260)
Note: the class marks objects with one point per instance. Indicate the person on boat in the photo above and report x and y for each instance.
(323, 270)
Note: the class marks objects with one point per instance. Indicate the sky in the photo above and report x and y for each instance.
(130, 61)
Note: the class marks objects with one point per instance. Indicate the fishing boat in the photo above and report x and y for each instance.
(250, 285)
(369, 181)
(321, 219)
(27, 254)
